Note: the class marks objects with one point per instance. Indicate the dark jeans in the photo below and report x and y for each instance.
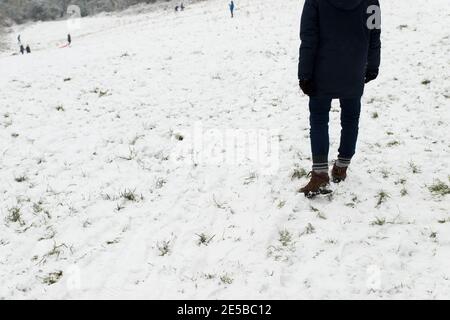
(319, 109)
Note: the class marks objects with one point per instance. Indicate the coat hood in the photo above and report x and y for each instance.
(345, 4)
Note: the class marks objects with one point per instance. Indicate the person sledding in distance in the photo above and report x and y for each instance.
(28, 49)
(179, 8)
(22, 49)
(69, 42)
(231, 5)
(339, 53)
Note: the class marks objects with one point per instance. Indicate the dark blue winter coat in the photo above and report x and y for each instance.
(337, 46)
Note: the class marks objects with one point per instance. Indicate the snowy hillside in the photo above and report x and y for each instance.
(105, 192)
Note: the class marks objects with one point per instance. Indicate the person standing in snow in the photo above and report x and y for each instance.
(22, 49)
(69, 39)
(339, 53)
(231, 5)
(182, 7)
(28, 49)
(18, 39)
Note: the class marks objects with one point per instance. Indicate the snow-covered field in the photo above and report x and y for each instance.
(98, 197)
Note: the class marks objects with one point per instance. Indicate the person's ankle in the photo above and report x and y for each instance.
(342, 162)
(321, 171)
(320, 168)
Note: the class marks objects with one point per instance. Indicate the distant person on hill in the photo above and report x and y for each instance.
(231, 5)
(182, 6)
(176, 8)
(28, 49)
(22, 49)
(69, 39)
(18, 39)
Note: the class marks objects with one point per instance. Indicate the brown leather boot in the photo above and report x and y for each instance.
(338, 174)
(317, 185)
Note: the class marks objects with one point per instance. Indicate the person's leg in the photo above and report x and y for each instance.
(350, 112)
(319, 109)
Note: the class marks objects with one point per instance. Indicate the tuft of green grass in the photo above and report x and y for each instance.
(226, 279)
(164, 248)
(14, 215)
(103, 93)
(111, 242)
(414, 168)
(439, 188)
(209, 276)
(178, 136)
(218, 204)
(393, 143)
(320, 215)
(299, 173)
(331, 241)
(52, 278)
(135, 139)
(281, 204)
(131, 155)
(56, 251)
(160, 183)
(20, 179)
(285, 237)
(284, 248)
(382, 196)
(309, 229)
(378, 222)
(426, 82)
(119, 207)
(375, 115)
(385, 173)
(86, 223)
(204, 239)
(107, 196)
(130, 195)
(251, 178)
(37, 207)
(60, 108)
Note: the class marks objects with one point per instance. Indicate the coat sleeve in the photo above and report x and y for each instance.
(309, 36)
(374, 57)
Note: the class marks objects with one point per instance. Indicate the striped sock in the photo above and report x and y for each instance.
(343, 162)
(320, 167)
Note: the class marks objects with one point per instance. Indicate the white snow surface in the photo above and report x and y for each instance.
(82, 126)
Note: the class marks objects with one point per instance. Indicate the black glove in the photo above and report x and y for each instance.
(371, 75)
(307, 86)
